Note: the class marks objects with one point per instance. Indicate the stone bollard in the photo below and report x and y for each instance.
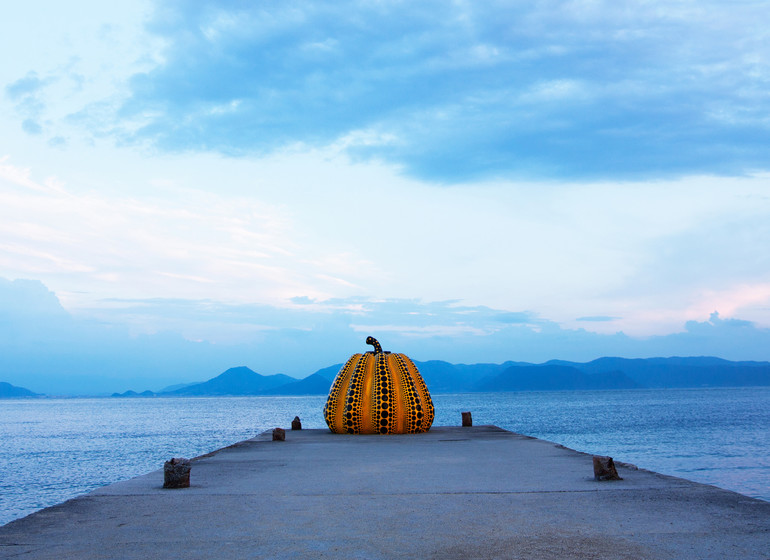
(279, 434)
(604, 468)
(296, 424)
(467, 420)
(176, 473)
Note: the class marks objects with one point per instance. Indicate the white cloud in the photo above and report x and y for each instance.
(653, 254)
(327, 113)
(246, 249)
(488, 90)
(100, 355)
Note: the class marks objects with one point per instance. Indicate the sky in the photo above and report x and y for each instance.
(190, 186)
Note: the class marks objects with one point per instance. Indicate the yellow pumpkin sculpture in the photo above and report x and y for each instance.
(378, 393)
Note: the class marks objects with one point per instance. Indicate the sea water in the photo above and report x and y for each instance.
(55, 449)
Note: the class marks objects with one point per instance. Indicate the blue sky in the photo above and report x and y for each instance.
(471, 181)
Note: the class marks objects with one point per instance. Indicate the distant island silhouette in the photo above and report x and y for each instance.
(8, 391)
(445, 377)
(555, 375)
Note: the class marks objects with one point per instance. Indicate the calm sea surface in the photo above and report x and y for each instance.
(55, 449)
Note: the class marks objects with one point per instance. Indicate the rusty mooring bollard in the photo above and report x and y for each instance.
(296, 424)
(279, 434)
(467, 420)
(176, 473)
(604, 468)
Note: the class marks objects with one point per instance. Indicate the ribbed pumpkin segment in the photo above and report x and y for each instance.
(379, 393)
(418, 404)
(335, 404)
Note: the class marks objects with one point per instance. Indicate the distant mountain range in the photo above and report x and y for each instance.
(603, 373)
(235, 381)
(241, 380)
(444, 377)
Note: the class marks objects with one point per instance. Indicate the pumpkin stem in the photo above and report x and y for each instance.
(373, 341)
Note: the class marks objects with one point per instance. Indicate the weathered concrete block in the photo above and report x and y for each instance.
(296, 424)
(604, 468)
(279, 434)
(467, 419)
(176, 473)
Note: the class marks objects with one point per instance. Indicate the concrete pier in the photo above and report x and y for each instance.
(473, 492)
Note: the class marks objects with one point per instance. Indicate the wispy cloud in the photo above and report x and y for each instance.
(27, 95)
(655, 254)
(26, 86)
(231, 248)
(597, 319)
(102, 346)
(557, 89)
(286, 155)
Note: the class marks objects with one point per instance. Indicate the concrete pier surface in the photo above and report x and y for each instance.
(478, 492)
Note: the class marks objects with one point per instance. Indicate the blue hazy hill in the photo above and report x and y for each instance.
(445, 377)
(602, 373)
(130, 393)
(8, 391)
(329, 372)
(678, 372)
(554, 377)
(315, 384)
(235, 381)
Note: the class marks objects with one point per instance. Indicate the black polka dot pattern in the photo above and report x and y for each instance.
(353, 410)
(379, 393)
(382, 396)
(332, 407)
(424, 412)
